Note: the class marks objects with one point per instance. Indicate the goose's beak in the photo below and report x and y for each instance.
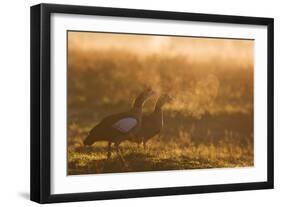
(171, 100)
(152, 93)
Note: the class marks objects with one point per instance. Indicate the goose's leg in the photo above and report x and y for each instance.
(116, 144)
(144, 144)
(117, 148)
(109, 150)
(119, 153)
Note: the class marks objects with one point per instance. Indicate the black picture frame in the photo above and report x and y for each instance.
(41, 99)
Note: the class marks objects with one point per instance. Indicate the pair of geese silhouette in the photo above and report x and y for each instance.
(132, 125)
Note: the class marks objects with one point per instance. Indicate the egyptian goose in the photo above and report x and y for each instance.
(119, 127)
(152, 123)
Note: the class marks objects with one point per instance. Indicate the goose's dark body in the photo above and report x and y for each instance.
(105, 132)
(119, 127)
(152, 125)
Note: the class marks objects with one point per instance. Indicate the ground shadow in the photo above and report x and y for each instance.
(24, 195)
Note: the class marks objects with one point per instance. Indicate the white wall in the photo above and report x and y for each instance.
(14, 101)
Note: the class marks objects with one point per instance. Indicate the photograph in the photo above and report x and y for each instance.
(156, 102)
(133, 103)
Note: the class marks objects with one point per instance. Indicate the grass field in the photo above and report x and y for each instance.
(172, 155)
(209, 124)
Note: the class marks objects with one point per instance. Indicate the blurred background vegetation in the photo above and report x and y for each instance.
(210, 123)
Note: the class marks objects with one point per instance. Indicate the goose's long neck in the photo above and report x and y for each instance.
(159, 113)
(158, 107)
(137, 107)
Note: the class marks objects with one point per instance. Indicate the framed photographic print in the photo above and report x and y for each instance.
(133, 103)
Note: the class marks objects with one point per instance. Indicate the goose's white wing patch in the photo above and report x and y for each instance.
(126, 124)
